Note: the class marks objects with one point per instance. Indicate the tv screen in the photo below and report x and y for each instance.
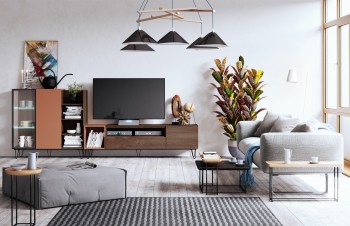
(128, 98)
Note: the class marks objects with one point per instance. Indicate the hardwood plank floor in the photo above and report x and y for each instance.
(178, 177)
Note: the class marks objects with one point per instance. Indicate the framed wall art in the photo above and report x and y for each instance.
(40, 60)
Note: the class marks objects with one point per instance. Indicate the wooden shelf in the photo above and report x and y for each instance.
(72, 134)
(72, 104)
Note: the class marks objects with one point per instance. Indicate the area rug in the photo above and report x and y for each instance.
(168, 211)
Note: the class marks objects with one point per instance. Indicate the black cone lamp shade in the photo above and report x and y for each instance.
(172, 38)
(212, 40)
(137, 48)
(194, 45)
(139, 37)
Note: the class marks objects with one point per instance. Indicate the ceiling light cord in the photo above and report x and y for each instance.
(200, 18)
(172, 15)
(212, 15)
(143, 6)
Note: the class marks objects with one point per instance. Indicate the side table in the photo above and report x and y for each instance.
(17, 173)
(204, 167)
(331, 165)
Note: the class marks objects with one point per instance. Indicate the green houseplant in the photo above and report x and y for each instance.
(239, 92)
(73, 90)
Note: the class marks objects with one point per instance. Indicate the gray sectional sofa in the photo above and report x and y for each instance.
(327, 145)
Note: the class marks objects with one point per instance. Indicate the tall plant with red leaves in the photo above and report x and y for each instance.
(239, 93)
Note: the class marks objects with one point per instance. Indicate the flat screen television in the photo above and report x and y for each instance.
(129, 98)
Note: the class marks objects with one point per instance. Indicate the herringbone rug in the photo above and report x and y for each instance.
(168, 211)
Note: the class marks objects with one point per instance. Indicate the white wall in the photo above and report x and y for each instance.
(272, 35)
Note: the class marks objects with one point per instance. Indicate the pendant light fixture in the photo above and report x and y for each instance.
(194, 45)
(172, 37)
(212, 39)
(140, 36)
(137, 48)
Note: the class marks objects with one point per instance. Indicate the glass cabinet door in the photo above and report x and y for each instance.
(23, 119)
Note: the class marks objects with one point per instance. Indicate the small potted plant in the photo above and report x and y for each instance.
(73, 90)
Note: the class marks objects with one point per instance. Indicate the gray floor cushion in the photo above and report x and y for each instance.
(59, 185)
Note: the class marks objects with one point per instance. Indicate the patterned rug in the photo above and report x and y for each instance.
(168, 211)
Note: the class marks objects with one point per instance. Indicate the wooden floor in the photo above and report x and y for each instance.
(178, 177)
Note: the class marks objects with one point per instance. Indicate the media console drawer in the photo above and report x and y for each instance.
(150, 137)
(135, 142)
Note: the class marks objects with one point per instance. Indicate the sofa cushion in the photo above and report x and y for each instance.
(310, 126)
(284, 124)
(267, 123)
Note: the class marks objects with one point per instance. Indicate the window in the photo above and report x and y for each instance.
(344, 66)
(331, 67)
(336, 62)
(344, 7)
(331, 12)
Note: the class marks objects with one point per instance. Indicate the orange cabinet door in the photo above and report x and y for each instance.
(48, 118)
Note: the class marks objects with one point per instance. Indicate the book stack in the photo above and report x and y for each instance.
(210, 157)
(72, 142)
(73, 112)
(95, 139)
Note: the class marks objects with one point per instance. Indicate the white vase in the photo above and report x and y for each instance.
(233, 149)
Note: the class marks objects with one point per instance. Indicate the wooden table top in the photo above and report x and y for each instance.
(24, 172)
(303, 164)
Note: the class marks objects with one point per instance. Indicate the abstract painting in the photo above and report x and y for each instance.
(40, 60)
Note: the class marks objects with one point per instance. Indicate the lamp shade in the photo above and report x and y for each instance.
(139, 37)
(137, 48)
(194, 45)
(172, 37)
(212, 40)
(292, 76)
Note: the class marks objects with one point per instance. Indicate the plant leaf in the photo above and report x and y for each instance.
(217, 77)
(241, 59)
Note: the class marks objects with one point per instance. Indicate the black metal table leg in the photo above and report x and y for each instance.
(206, 179)
(337, 184)
(34, 201)
(16, 201)
(11, 201)
(334, 178)
(30, 199)
(217, 178)
(270, 184)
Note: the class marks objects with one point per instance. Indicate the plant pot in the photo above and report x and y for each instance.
(73, 98)
(233, 149)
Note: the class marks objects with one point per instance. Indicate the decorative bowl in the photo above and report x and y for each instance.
(71, 131)
(18, 166)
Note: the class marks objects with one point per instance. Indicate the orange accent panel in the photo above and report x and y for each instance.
(48, 118)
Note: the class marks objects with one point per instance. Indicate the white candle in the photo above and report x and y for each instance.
(22, 74)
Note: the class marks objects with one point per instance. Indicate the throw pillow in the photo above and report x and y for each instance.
(266, 124)
(310, 126)
(284, 124)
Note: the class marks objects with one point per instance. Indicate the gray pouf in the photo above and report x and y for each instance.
(59, 185)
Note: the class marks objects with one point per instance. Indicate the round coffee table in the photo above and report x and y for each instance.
(18, 173)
